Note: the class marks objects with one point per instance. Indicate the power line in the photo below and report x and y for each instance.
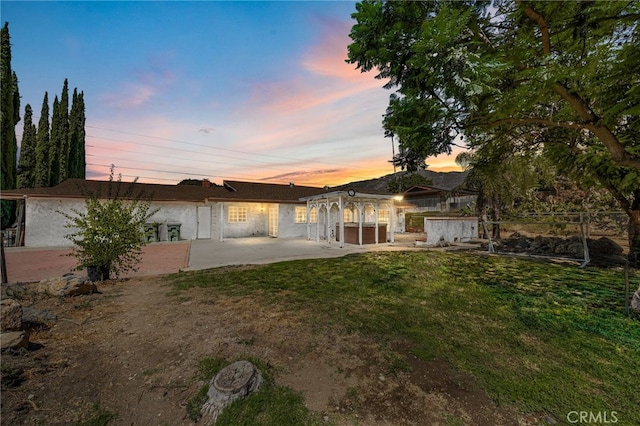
(205, 172)
(214, 147)
(176, 149)
(200, 175)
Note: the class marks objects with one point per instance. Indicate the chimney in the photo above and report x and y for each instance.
(291, 184)
(206, 183)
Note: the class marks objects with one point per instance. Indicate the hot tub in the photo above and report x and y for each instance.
(368, 233)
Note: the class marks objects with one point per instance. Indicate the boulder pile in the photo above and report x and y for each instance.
(602, 252)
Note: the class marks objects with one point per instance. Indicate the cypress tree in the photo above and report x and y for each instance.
(55, 143)
(43, 141)
(77, 163)
(8, 117)
(27, 164)
(63, 142)
(82, 162)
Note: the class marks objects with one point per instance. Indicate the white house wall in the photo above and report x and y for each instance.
(287, 226)
(172, 212)
(257, 224)
(450, 229)
(45, 227)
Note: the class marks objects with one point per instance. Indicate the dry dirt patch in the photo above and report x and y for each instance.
(134, 350)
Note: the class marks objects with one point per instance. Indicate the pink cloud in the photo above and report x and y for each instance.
(329, 78)
(132, 96)
(327, 58)
(149, 82)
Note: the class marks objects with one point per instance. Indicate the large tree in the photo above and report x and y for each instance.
(559, 76)
(9, 117)
(502, 177)
(43, 146)
(57, 135)
(27, 164)
(62, 134)
(77, 163)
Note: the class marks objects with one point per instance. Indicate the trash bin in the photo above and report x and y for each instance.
(173, 231)
(150, 232)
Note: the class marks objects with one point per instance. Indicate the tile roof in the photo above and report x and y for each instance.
(269, 191)
(231, 190)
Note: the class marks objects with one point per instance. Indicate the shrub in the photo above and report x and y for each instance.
(109, 235)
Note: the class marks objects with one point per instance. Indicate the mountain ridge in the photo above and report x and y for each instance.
(441, 180)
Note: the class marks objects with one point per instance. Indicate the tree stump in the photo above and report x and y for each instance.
(231, 383)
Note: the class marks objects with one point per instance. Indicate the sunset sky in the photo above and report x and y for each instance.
(256, 91)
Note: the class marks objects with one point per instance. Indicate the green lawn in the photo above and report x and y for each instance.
(543, 337)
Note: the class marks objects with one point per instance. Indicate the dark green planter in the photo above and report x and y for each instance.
(98, 273)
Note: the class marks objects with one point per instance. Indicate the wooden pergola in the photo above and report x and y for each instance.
(352, 200)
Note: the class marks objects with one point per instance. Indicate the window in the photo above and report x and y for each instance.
(237, 214)
(348, 215)
(313, 215)
(301, 215)
(383, 215)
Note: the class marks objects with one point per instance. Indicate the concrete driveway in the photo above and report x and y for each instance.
(259, 250)
(34, 264)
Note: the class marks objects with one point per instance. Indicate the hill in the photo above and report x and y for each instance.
(442, 180)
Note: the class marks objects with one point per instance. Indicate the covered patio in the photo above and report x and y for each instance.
(369, 217)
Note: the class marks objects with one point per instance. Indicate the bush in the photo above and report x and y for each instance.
(109, 236)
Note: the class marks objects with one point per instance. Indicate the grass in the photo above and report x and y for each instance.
(543, 337)
(270, 405)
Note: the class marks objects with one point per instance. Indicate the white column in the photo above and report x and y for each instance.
(377, 208)
(317, 222)
(360, 211)
(328, 219)
(221, 221)
(308, 222)
(391, 221)
(341, 215)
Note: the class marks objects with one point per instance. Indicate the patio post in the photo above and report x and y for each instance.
(341, 217)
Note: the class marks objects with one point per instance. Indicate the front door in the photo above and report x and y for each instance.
(273, 221)
(204, 222)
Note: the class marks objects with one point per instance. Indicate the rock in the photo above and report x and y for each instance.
(11, 313)
(36, 316)
(572, 247)
(13, 291)
(635, 301)
(231, 383)
(604, 247)
(14, 340)
(67, 285)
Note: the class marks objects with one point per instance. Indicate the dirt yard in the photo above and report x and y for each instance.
(134, 349)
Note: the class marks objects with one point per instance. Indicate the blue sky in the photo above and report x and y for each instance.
(221, 90)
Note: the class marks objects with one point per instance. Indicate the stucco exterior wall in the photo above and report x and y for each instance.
(172, 212)
(450, 229)
(257, 224)
(287, 226)
(46, 227)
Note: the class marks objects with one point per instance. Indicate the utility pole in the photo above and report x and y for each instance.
(393, 152)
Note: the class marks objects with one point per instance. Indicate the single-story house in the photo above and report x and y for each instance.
(234, 209)
(422, 198)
